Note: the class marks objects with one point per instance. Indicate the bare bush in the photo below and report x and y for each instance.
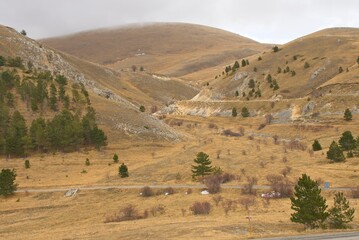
(154, 109)
(244, 152)
(311, 152)
(262, 164)
(229, 205)
(355, 192)
(201, 208)
(247, 202)
(183, 212)
(284, 159)
(189, 191)
(281, 185)
(229, 132)
(266, 202)
(157, 210)
(227, 177)
(146, 192)
(296, 144)
(268, 118)
(285, 171)
(213, 183)
(319, 181)
(248, 188)
(251, 137)
(217, 199)
(212, 126)
(275, 139)
(127, 213)
(261, 126)
(241, 130)
(219, 154)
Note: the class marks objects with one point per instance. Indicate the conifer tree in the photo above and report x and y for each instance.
(203, 166)
(7, 182)
(341, 213)
(335, 153)
(316, 145)
(308, 204)
(115, 158)
(245, 112)
(244, 63)
(235, 65)
(347, 142)
(234, 112)
(123, 171)
(348, 115)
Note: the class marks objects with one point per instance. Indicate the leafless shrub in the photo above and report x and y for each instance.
(146, 192)
(217, 199)
(243, 171)
(154, 109)
(250, 137)
(272, 104)
(258, 148)
(230, 133)
(247, 202)
(266, 202)
(355, 192)
(281, 185)
(227, 177)
(248, 188)
(189, 126)
(201, 208)
(127, 213)
(269, 118)
(228, 151)
(219, 154)
(189, 191)
(284, 159)
(183, 212)
(241, 130)
(261, 126)
(244, 152)
(213, 183)
(157, 210)
(285, 171)
(212, 126)
(311, 152)
(272, 157)
(296, 144)
(229, 205)
(319, 181)
(275, 139)
(262, 164)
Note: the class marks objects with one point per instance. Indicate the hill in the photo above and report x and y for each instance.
(303, 66)
(174, 49)
(113, 94)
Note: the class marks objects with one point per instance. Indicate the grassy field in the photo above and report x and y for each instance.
(31, 215)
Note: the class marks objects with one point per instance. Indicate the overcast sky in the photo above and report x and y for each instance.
(271, 21)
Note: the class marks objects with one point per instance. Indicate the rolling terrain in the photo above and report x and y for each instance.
(188, 109)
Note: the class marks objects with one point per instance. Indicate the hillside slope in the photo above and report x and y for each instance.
(299, 67)
(112, 94)
(174, 49)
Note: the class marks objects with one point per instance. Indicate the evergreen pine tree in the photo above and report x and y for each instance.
(115, 158)
(335, 153)
(7, 182)
(27, 163)
(348, 115)
(235, 65)
(245, 112)
(347, 141)
(237, 93)
(123, 171)
(309, 206)
(316, 145)
(53, 97)
(234, 112)
(203, 166)
(244, 63)
(341, 213)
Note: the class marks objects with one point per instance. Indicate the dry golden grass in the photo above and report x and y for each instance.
(51, 215)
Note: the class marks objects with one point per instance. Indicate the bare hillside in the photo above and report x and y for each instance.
(175, 49)
(114, 96)
(325, 58)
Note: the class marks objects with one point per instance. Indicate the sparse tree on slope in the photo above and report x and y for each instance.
(347, 142)
(348, 115)
(341, 213)
(335, 153)
(234, 112)
(316, 145)
(7, 182)
(308, 204)
(123, 171)
(203, 166)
